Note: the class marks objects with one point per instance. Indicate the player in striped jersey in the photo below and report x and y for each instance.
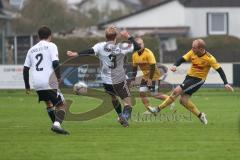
(111, 55)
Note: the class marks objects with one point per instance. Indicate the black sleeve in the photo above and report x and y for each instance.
(56, 68)
(179, 61)
(222, 74)
(134, 72)
(135, 44)
(26, 77)
(152, 70)
(86, 52)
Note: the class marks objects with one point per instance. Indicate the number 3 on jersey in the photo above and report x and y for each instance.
(113, 60)
(39, 57)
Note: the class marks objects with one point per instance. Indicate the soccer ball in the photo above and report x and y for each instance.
(80, 88)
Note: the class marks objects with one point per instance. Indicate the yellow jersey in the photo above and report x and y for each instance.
(144, 61)
(201, 65)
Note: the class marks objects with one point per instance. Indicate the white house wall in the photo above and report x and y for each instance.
(196, 18)
(168, 15)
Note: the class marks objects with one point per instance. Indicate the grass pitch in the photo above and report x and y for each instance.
(25, 131)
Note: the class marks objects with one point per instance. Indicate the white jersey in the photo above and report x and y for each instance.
(112, 60)
(39, 59)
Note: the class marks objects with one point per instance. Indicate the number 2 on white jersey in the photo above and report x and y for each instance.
(39, 57)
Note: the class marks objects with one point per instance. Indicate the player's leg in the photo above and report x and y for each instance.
(60, 110)
(127, 110)
(44, 96)
(189, 85)
(143, 93)
(176, 92)
(116, 104)
(187, 103)
(144, 99)
(161, 96)
(123, 92)
(193, 85)
(51, 110)
(157, 94)
(155, 91)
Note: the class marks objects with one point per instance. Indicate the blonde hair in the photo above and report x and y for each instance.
(111, 33)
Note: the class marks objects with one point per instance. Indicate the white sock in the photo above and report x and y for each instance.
(57, 124)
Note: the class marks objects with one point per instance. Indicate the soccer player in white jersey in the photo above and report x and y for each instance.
(111, 55)
(43, 61)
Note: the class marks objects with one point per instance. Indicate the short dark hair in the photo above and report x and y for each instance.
(44, 32)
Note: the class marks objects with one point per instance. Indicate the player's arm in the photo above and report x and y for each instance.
(131, 81)
(27, 65)
(26, 78)
(126, 35)
(181, 60)
(152, 70)
(214, 64)
(134, 72)
(134, 68)
(84, 52)
(224, 79)
(177, 63)
(136, 47)
(55, 61)
(56, 68)
(222, 75)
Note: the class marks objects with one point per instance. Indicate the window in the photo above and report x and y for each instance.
(217, 23)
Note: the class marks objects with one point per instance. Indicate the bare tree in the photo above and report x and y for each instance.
(53, 13)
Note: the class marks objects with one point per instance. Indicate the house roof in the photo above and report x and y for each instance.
(161, 31)
(185, 3)
(1, 5)
(3, 15)
(210, 3)
(134, 13)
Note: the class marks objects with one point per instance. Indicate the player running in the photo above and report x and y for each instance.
(43, 60)
(145, 60)
(111, 55)
(201, 61)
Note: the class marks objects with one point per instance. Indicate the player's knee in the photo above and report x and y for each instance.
(183, 101)
(60, 106)
(49, 104)
(142, 94)
(175, 93)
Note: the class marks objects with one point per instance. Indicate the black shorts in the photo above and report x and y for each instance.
(52, 95)
(191, 84)
(120, 89)
(154, 88)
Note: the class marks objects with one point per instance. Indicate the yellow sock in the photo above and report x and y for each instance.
(166, 102)
(193, 108)
(165, 97)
